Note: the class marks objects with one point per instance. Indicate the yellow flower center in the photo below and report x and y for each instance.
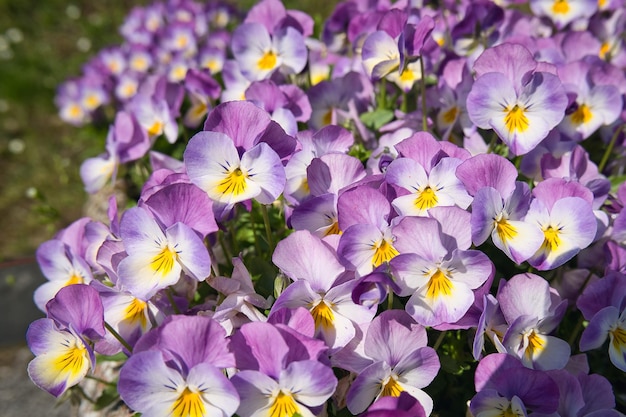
(328, 117)
(383, 252)
(139, 63)
(536, 344)
(509, 413)
(75, 279)
(618, 338)
(407, 75)
(136, 312)
(189, 404)
(156, 128)
(504, 229)
(604, 50)
(333, 229)
(323, 316)
(163, 263)
(391, 388)
(582, 115)
(73, 361)
(75, 111)
(439, 284)
(267, 61)
(551, 241)
(449, 116)
(284, 406)
(515, 119)
(234, 183)
(560, 7)
(426, 199)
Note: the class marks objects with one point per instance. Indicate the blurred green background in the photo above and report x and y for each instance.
(42, 43)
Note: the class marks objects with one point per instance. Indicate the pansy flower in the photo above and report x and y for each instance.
(514, 98)
(398, 361)
(603, 304)
(280, 370)
(61, 343)
(564, 213)
(322, 285)
(157, 256)
(178, 370)
(533, 311)
(261, 54)
(506, 388)
(438, 272)
(214, 165)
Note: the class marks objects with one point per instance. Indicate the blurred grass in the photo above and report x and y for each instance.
(42, 43)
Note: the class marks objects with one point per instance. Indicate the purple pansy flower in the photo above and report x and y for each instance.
(62, 343)
(398, 360)
(514, 98)
(177, 370)
(505, 387)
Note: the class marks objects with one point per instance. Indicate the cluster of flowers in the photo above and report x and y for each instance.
(357, 163)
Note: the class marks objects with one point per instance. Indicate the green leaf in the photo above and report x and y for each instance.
(377, 118)
(108, 397)
(616, 182)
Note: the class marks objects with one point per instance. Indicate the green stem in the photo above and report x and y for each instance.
(423, 88)
(268, 227)
(609, 149)
(102, 381)
(227, 253)
(439, 340)
(255, 233)
(492, 142)
(382, 99)
(118, 337)
(405, 102)
(389, 299)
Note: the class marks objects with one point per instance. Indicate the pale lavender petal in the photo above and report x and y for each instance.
(447, 308)
(266, 171)
(310, 382)
(255, 390)
(304, 256)
(392, 336)
(191, 252)
(419, 368)
(420, 235)
(423, 148)
(597, 331)
(486, 207)
(490, 95)
(363, 205)
(513, 60)
(525, 295)
(290, 46)
(147, 384)
(185, 203)
(488, 170)
(597, 393)
(380, 54)
(551, 190)
(259, 346)
(79, 307)
(453, 221)
(367, 387)
(218, 393)
(332, 172)
(195, 339)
